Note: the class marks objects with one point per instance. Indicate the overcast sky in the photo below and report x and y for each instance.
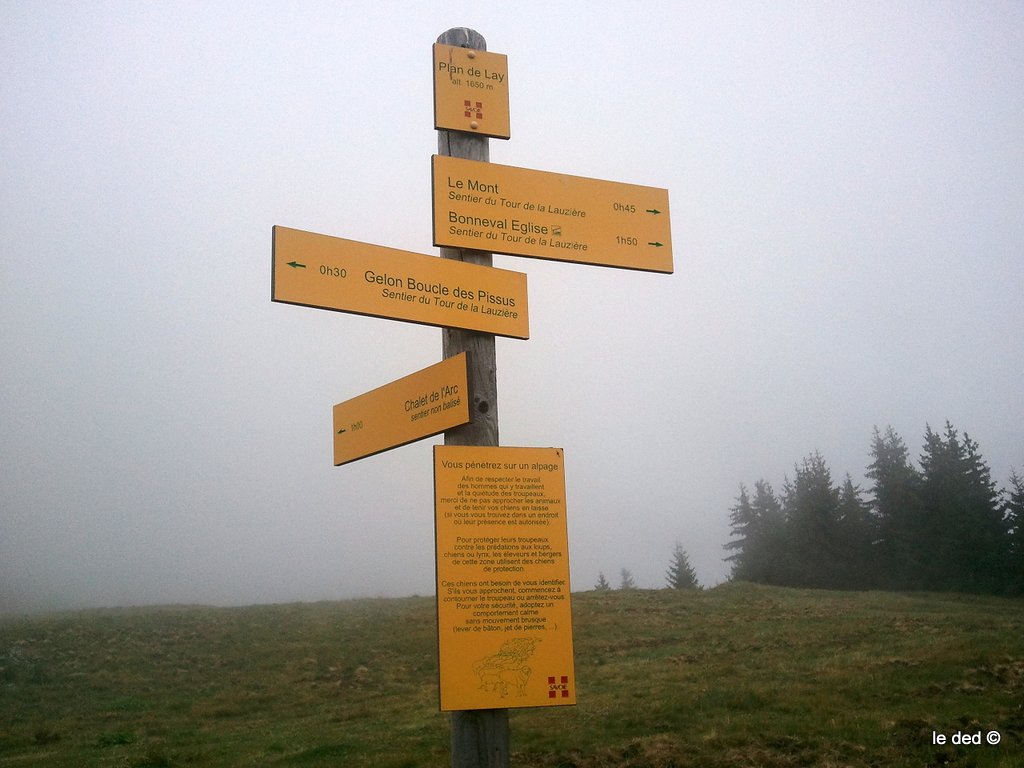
(847, 209)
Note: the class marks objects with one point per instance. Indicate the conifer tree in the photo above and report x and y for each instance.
(680, 574)
(811, 505)
(769, 549)
(1014, 509)
(897, 510)
(966, 536)
(626, 580)
(857, 534)
(758, 525)
(602, 583)
(744, 525)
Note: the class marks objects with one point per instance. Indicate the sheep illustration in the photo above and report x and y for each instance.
(507, 669)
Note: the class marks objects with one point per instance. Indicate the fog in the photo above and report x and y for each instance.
(846, 187)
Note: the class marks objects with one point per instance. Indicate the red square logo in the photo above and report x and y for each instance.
(559, 685)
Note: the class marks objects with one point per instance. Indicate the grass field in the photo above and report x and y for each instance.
(739, 675)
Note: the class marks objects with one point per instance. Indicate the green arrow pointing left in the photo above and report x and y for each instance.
(296, 265)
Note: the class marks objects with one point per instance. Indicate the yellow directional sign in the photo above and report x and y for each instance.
(422, 404)
(471, 91)
(503, 616)
(502, 209)
(344, 275)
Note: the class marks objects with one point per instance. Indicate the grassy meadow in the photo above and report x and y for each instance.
(739, 675)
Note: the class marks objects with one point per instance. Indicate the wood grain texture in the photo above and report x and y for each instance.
(479, 738)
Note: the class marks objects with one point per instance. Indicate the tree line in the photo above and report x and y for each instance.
(680, 574)
(942, 525)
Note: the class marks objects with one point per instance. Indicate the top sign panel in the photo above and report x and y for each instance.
(502, 209)
(471, 91)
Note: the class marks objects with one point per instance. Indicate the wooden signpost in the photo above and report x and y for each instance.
(501, 543)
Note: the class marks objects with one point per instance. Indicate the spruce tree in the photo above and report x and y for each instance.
(990, 534)
(602, 583)
(811, 506)
(1014, 509)
(897, 511)
(626, 580)
(760, 547)
(966, 534)
(856, 537)
(741, 515)
(769, 553)
(680, 574)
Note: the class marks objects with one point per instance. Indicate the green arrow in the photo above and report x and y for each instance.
(653, 210)
(340, 431)
(295, 264)
(656, 245)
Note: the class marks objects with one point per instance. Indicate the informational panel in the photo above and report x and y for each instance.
(504, 618)
(503, 209)
(348, 276)
(471, 91)
(422, 404)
